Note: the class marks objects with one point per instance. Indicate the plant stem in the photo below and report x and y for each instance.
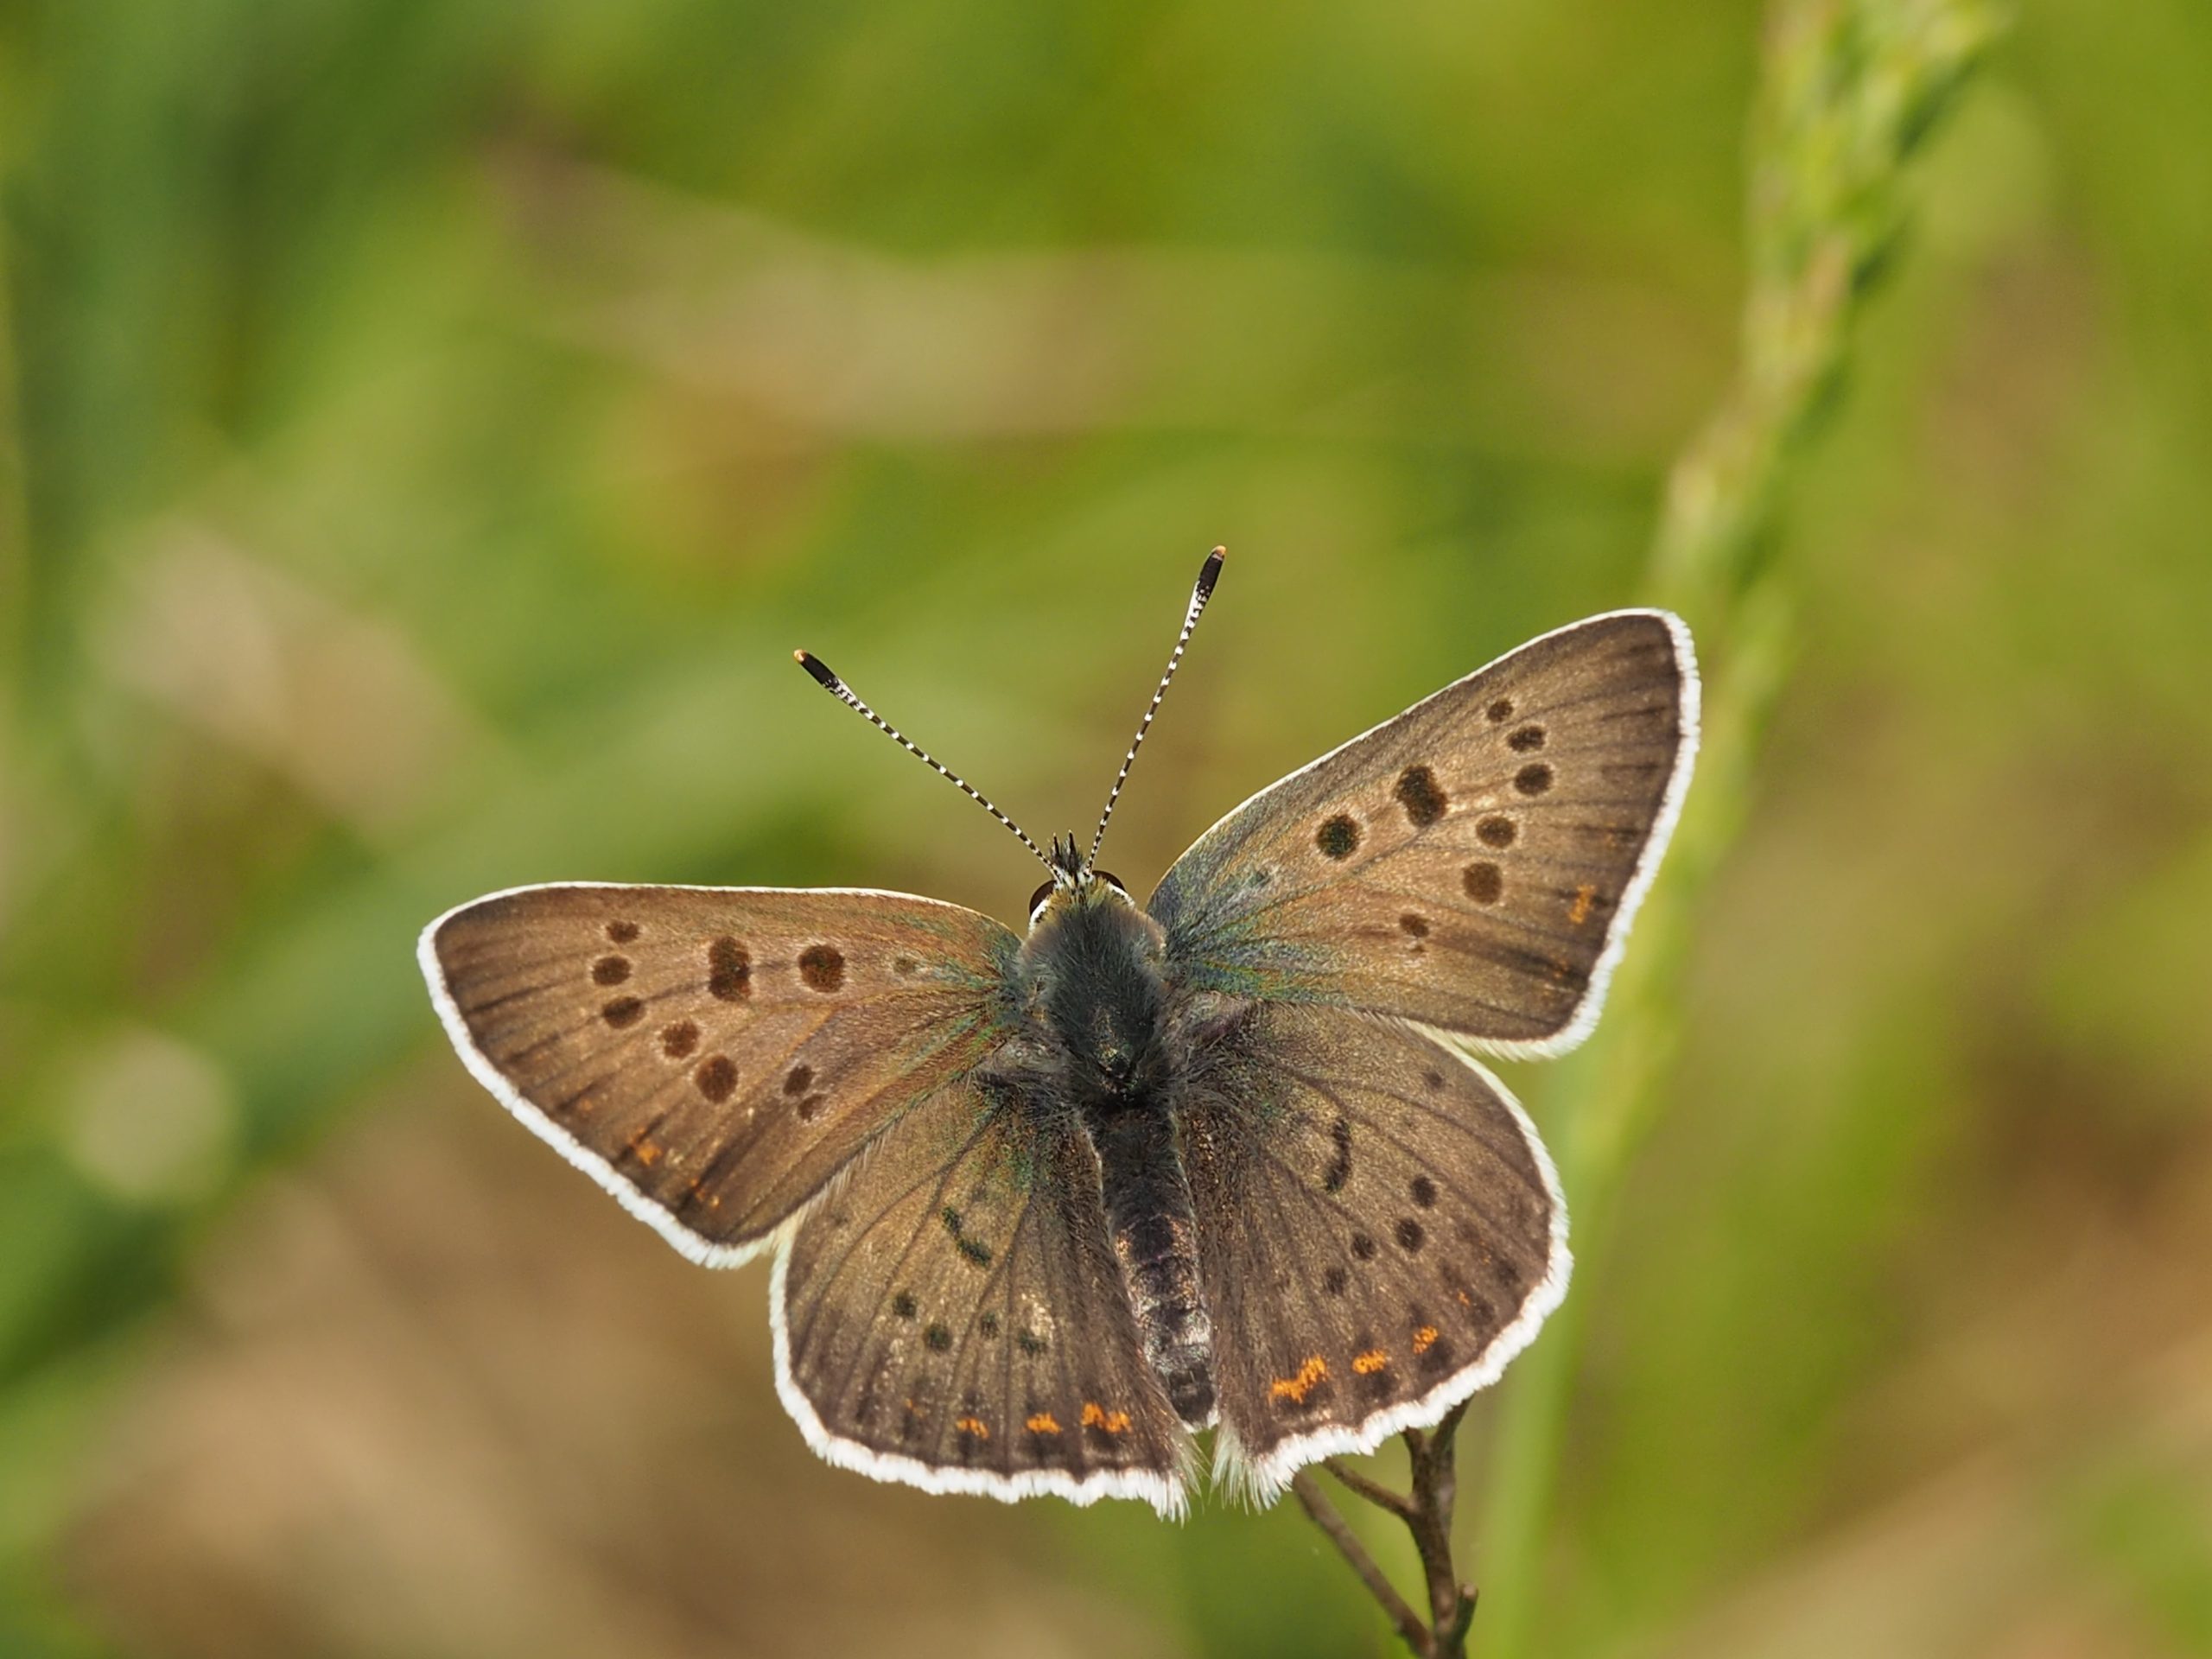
(1849, 91)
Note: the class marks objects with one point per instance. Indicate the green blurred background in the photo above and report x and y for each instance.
(427, 426)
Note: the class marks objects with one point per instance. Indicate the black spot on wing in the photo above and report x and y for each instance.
(1339, 1170)
(822, 967)
(1421, 796)
(715, 1077)
(729, 970)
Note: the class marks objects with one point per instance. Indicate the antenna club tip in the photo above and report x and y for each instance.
(1210, 572)
(814, 665)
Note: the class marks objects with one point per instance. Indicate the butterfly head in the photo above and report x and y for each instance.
(1074, 883)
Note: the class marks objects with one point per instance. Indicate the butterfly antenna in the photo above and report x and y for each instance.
(829, 682)
(1209, 573)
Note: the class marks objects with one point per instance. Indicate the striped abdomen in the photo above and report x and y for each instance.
(1148, 1217)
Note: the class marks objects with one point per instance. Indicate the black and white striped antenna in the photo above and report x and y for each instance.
(829, 682)
(1209, 573)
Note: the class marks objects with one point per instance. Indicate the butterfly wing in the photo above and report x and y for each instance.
(1380, 1232)
(1471, 864)
(712, 1057)
(952, 1316)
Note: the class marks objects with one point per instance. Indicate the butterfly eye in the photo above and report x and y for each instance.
(1113, 881)
(1036, 899)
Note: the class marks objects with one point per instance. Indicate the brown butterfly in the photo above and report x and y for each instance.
(1044, 1207)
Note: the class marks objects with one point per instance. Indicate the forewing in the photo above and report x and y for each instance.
(712, 1056)
(1471, 864)
(951, 1316)
(1379, 1232)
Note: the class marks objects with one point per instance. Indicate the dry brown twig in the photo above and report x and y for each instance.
(1427, 1511)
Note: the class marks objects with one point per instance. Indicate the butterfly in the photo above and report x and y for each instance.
(1044, 1207)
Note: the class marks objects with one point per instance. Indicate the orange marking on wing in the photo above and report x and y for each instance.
(1311, 1375)
(647, 1153)
(1097, 1416)
(974, 1426)
(1583, 895)
(1370, 1362)
(1043, 1423)
(1424, 1338)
